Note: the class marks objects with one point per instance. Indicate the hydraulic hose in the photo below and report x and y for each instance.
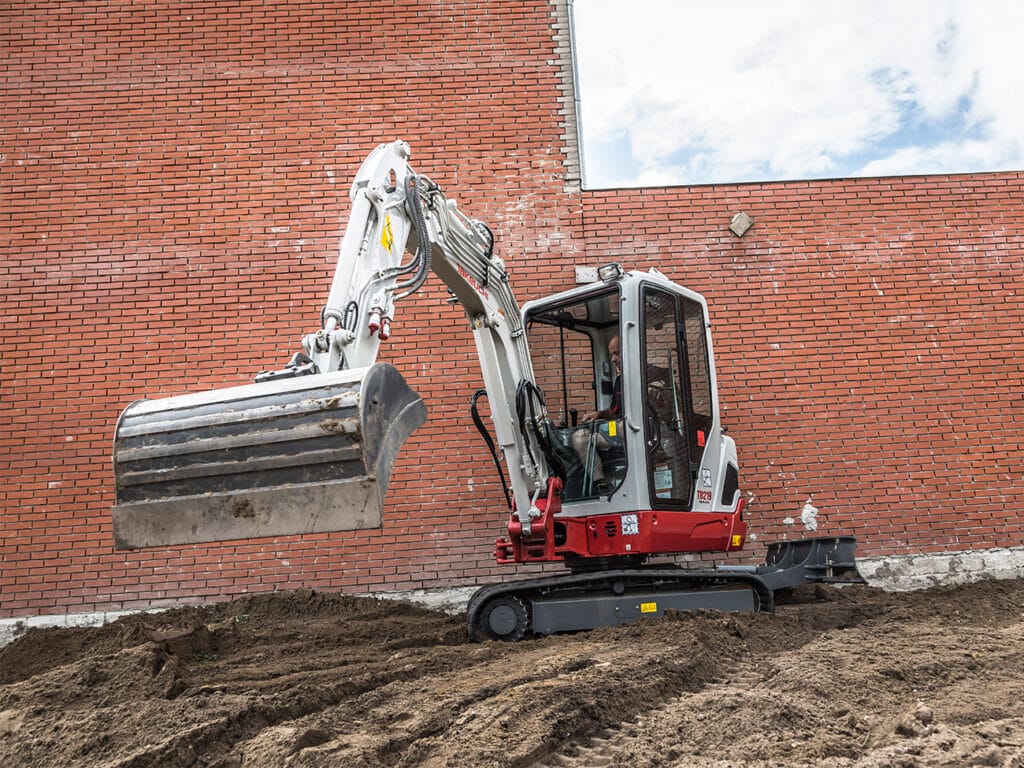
(479, 422)
(412, 195)
(565, 376)
(527, 396)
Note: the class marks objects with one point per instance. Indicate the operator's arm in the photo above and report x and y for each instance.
(614, 410)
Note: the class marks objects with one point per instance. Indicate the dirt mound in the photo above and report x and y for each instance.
(836, 677)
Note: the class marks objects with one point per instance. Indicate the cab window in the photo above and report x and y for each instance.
(677, 386)
(575, 361)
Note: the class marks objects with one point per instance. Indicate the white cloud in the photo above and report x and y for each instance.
(687, 92)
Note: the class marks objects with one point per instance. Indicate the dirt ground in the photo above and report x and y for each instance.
(836, 677)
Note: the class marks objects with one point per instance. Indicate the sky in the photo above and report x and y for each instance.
(697, 92)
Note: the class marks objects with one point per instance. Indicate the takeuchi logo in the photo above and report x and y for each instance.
(472, 281)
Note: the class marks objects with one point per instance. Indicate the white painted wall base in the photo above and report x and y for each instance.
(12, 629)
(896, 574)
(946, 569)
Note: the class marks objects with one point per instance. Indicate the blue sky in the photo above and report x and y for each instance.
(693, 92)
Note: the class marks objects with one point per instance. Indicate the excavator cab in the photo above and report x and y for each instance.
(626, 369)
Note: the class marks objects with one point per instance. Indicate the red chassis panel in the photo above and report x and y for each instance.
(644, 532)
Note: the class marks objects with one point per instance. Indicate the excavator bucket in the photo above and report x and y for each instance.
(303, 455)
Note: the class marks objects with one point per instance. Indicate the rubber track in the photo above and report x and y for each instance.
(663, 576)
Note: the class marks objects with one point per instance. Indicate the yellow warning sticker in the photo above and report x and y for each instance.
(648, 607)
(387, 237)
(737, 540)
(611, 429)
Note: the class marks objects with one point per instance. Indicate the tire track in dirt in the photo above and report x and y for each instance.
(613, 744)
(740, 650)
(837, 678)
(831, 704)
(475, 714)
(187, 694)
(208, 740)
(243, 712)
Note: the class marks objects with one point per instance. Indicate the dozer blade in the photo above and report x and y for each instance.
(304, 455)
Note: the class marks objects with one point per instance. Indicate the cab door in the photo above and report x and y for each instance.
(677, 395)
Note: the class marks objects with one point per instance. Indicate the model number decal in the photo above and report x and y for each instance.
(704, 497)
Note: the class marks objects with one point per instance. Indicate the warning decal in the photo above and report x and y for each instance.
(387, 237)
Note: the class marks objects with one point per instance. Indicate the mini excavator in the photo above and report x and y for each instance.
(606, 430)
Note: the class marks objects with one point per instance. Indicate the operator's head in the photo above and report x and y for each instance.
(613, 352)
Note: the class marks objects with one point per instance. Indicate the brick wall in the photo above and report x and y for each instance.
(173, 188)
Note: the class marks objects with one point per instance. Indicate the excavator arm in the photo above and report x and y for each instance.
(310, 447)
(396, 210)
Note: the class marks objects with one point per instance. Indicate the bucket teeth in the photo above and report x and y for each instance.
(305, 455)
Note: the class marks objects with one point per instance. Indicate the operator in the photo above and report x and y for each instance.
(587, 439)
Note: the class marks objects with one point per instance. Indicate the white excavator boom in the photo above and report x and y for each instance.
(310, 448)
